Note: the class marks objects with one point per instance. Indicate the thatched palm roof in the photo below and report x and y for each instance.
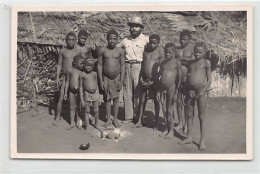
(224, 32)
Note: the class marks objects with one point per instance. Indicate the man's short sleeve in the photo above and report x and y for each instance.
(147, 39)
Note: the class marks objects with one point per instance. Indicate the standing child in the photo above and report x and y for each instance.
(185, 54)
(72, 84)
(198, 81)
(65, 59)
(151, 61)
(169, 80)
(89, 92)
(81, 44)
(111, 70)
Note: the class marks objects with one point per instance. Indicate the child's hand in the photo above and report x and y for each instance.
(58, 81)
(119, 87)
(149, 83)
(83, 103)
(142, 82)
(65, 96)
(199, 94)
(102, 86)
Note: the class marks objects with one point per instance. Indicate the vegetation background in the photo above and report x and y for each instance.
(42, 34)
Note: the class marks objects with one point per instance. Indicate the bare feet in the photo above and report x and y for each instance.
(70, 126)
(109, 122)
(126, 121)
(56, 122)
(202, 147)
(116, 123)
(169, 135)
(177, 128)
(163, 134)
(138, 125)
(155, 126)
(155, 129)
(185, 130)
(186, 141)
(98, 127)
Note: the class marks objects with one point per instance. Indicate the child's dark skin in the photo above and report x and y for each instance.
(81, 46)
(184, 54)
(72, 85)
(111, 64)
(88, 82)
(151, 61)
(170, 71)
(198, 81)
(65, 60)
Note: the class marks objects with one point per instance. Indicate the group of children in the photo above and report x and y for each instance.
(174, 75)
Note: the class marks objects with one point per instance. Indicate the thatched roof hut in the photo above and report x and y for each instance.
(41, 34)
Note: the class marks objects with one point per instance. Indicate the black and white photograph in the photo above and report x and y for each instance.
(142, 82)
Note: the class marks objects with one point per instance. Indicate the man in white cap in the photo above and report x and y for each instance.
(134, 47)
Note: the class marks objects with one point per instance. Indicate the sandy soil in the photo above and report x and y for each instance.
(226, 132)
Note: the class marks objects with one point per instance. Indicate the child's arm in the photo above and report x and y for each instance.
(100, 68)
(67, 80)
(161, 58)
(209, 78)
(81, 90)
(157, 76)
(141, 75)
(59, 67)
(179, 73)
(122, 63)
(187, 59)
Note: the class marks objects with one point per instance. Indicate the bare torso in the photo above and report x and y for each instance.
(111, 62)
(67, 59)
(197, 75)
(74, 79)
(186, 52)
(151, 62)
(169, 72)
(89, 82)
(84, 50)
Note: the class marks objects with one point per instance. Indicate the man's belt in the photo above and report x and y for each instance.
(133, 61)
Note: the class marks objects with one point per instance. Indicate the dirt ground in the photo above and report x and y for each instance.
(226, 132)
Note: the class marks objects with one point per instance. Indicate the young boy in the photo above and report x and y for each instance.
(89, 90)
(169, 80)
(152, 58)
(185, 54)
(81, 45)
(72, 84)
(65, 59)
(198, 81)
(111, 70)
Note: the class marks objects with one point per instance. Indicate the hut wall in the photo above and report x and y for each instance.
(222, 86)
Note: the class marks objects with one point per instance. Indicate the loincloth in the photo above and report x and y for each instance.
(75, 91)
(151, 91)
(91, 97)
(162, 97)
(111, 88)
